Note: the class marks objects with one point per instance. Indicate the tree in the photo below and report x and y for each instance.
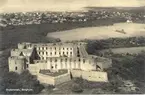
(29, 81)
(76, 88)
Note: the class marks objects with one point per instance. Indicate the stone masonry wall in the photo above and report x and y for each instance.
(91, 75)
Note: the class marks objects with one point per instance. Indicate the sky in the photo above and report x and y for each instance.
(63, 5)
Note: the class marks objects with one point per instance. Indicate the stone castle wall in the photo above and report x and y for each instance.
(46, 79)
(96, 76)
(65, 63)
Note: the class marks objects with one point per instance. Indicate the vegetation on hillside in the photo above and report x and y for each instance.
(23, 83)
(129, 67)
(94, 45)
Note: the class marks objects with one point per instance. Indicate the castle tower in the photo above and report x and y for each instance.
(17, 64)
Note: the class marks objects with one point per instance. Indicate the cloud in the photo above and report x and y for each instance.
(64, 5)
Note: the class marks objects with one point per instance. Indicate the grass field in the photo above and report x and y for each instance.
(102, 32)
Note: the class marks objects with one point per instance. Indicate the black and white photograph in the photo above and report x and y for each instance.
(73, 47)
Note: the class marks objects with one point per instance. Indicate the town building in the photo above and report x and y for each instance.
(55, 63)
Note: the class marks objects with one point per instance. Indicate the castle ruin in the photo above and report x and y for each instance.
(55, 63)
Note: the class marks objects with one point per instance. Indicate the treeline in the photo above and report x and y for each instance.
(114, 43)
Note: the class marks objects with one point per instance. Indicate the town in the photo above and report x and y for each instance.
(26, 18)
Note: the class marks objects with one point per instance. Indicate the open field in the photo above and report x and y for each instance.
(102, 32)
(131, 50)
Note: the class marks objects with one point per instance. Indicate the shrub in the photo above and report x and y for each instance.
(76, 88)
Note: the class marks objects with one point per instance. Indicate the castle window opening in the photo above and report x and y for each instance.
(67, 53)
(16, 68)
(43, 53)
(79, 59)
(66, 60)
(42, 48)
(70, 48)
(55, 48)
(83, 60)
(63, 48)
(46, 53)
(67, 48)
(50, 53)
(55, 60)
(70, 53)
(55, 53)
(46, 48)
(63, 53)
